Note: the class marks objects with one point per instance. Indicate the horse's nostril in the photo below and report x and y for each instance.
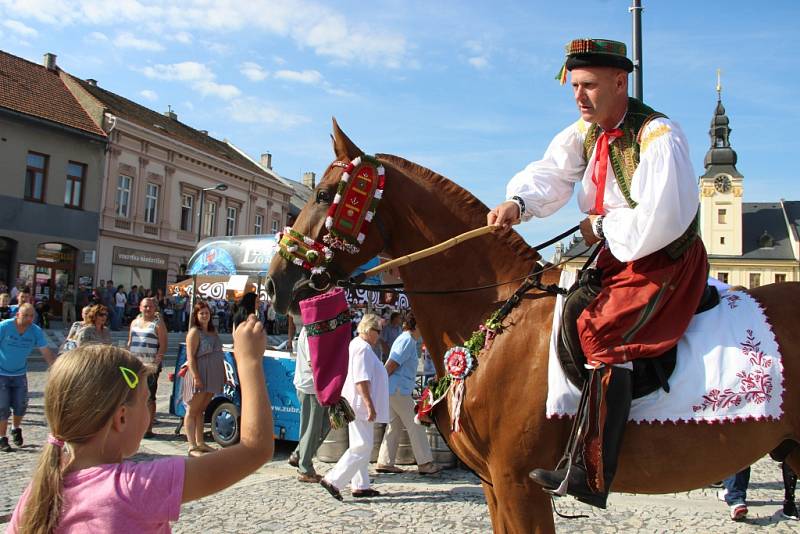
(270, 287)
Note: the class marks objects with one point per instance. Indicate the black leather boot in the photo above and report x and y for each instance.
(789, 484)
(618, 402)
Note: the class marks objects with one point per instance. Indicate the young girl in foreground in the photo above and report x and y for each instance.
(96, 407)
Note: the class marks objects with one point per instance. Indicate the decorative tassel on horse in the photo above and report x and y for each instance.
(327, 321)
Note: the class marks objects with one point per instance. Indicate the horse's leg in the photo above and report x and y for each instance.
(520, 507)
(491, 501)
(793, 460)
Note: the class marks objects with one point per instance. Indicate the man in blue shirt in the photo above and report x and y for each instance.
(402, 369)
(18, 337)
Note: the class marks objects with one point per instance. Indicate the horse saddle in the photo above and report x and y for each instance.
(649, 374)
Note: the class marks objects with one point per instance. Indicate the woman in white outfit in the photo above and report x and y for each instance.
(366, 388)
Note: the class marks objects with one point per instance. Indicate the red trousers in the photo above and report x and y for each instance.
(644, 306)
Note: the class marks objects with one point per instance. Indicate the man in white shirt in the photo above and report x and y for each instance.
(314, 422)
(640, 193)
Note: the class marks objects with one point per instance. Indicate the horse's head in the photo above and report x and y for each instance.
(317, 251)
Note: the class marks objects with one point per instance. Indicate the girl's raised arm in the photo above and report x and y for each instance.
(214, 472)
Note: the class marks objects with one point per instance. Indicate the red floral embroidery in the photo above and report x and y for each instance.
(754, 386)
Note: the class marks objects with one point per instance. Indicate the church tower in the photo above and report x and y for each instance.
(721, 189)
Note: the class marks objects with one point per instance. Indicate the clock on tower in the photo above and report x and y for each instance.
(722, 183)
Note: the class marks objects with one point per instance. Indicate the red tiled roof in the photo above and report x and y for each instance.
(173, 128)
(31, 89)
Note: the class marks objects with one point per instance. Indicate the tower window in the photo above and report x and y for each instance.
(722, 240)
(722, 216)
(722, 277)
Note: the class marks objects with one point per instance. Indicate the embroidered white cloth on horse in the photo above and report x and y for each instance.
(728, 369)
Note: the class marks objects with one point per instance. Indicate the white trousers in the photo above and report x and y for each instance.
(401, 415)
(354, 462)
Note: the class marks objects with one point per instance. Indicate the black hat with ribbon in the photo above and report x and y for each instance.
(594, 53)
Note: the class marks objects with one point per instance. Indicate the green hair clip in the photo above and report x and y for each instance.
(131, 378)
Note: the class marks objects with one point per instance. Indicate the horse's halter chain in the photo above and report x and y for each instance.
(360, 204)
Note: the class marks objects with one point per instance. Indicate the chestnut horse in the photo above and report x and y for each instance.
(504, 432)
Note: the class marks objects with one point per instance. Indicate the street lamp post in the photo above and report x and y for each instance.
(218, 187)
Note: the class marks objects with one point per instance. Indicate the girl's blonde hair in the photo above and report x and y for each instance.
(370, 321)
(85, 388)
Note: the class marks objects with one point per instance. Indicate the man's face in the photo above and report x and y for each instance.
(25, 298)
(598, 91)
(25, 316)
(147, 308)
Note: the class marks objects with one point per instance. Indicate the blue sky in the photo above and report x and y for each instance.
(465, 88)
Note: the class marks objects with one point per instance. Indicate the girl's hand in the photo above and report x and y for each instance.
(198, 384)
(249, 340)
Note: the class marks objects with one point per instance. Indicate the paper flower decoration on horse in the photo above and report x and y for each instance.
(459, 363)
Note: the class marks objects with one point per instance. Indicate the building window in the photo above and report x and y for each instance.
(187, 208)
(722, 240)
(124, 195)
(35, 176)
(755, 280)
(210, 221)
(230, 221)
(151, 204)
(274, 226)
(722, 216)
(722, 277)
(73, 193)
(780, 278)
(259, 224)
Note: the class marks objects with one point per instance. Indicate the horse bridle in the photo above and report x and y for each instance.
(317, 257)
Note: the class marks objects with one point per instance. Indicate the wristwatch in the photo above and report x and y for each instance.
(520, 203)
(597, 227)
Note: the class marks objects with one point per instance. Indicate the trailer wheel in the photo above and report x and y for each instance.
(225, 424)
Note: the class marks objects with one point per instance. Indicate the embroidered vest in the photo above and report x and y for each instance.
(624, 156)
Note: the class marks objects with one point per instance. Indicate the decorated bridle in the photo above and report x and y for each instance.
(352, 210)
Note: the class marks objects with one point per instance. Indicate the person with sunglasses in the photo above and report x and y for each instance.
(95, 329)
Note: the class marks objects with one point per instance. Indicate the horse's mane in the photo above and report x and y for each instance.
(467, 202)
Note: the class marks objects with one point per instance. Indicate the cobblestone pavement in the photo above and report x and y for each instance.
(271, 500)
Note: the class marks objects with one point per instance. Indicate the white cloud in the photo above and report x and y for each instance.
(147, 94)
(327, 31)
(181, 37)
(197, 75)
(223, 91)
(278, 60)
(184, 71)
(20, 28)
(97, 37)
(311, 77)
(253, 71)
(479, 62)
(128, 40)
(254, 111)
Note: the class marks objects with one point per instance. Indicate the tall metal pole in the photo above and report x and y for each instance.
(636, 11)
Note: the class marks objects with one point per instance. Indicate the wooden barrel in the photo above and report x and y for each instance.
(442, 455)
(336, 442)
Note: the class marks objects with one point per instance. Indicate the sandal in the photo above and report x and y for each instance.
(205, 448)
(388, 469)
(369, 492)
(196, 452)
(331, 489)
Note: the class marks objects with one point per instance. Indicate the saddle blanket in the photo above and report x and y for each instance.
(728, 369)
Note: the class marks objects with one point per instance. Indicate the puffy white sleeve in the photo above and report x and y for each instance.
(546, 185)
(665, 189)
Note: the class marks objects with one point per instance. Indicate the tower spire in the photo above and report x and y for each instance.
(719, 86)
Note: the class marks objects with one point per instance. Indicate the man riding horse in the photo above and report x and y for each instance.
(641, 196)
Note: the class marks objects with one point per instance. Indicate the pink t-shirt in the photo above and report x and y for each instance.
(124, 497)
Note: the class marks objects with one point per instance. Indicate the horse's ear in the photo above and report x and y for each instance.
(343, 147)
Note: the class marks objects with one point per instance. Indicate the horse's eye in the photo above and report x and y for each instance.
(323, 197)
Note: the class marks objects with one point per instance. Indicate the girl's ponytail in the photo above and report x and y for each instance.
(43, 505)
